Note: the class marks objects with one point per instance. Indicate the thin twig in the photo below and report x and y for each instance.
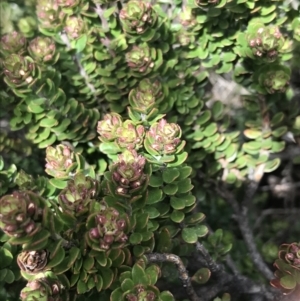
(285, 187)
(275, 211)
(225, 282)
(99, 11)
(183, 274)
(242, 219)
(211, 264)
(76, 58)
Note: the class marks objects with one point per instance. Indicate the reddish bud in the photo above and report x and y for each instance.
(30, 227)
(121, 224)
(109, 239)
(94, 233)
(100, 219)
(31, 209)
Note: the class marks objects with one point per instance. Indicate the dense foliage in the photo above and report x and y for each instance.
(122, 176)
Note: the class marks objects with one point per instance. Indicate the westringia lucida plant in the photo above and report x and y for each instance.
(115, 98)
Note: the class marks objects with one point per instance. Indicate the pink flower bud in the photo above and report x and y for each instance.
(30, 227)
(109, 239)
(94, 233)
(100, 219)
(121, 224)
(31, 209)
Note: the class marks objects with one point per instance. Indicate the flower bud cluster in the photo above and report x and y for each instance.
(290, 254)
(140, 293)
(107, 128)
(19, 213)
(130, 136)
(139, 59)
(145, 96)
(44, 289)
(13, 42)
(43, 50)
(266, 42)
(78, 195)
(19, 71)
(128, 174)
(137, 17)
(60, 161)
(108, 229)
(48, 13)
(32, 261)
(163, 138)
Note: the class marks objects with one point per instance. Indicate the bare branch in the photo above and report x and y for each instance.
(242, 219)
(183, 274)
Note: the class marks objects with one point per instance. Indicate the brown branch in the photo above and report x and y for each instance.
(183, 274)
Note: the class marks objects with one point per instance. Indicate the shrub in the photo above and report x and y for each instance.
(123, 177)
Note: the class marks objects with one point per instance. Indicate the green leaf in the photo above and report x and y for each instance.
(153, 272)
(215, 238)
(5, 257)
(189, 235)
(48, 122)
(117, 294)
(252, 133)
(39, 241)
(288, 282)
(166, 296)
(109, 11)
(177, 203)
(205, 116)
(170, 175)
(135, 238)
(194, 218)
(277, 119)
(217, 110)
(139, 276)
(177, 216)
(185, 172)
(81, 287)
(179, 159)
(141, 221)
(201, 276)
(9, 277)
(156, 180)
(170, 189)
(3, 274)
(57, 183)
(185, 185)
(74, 253)
(154, 195)
(280, 131)
(81, 43)
(152, 211)
(163, 242)
(48, 141)
(110, 148)
(201, 230)
(88, 263)
(57, 258)
(98, 282)
(138, 251)
(107, 276)
(127, 285)
(272, 165)
(210, 130)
